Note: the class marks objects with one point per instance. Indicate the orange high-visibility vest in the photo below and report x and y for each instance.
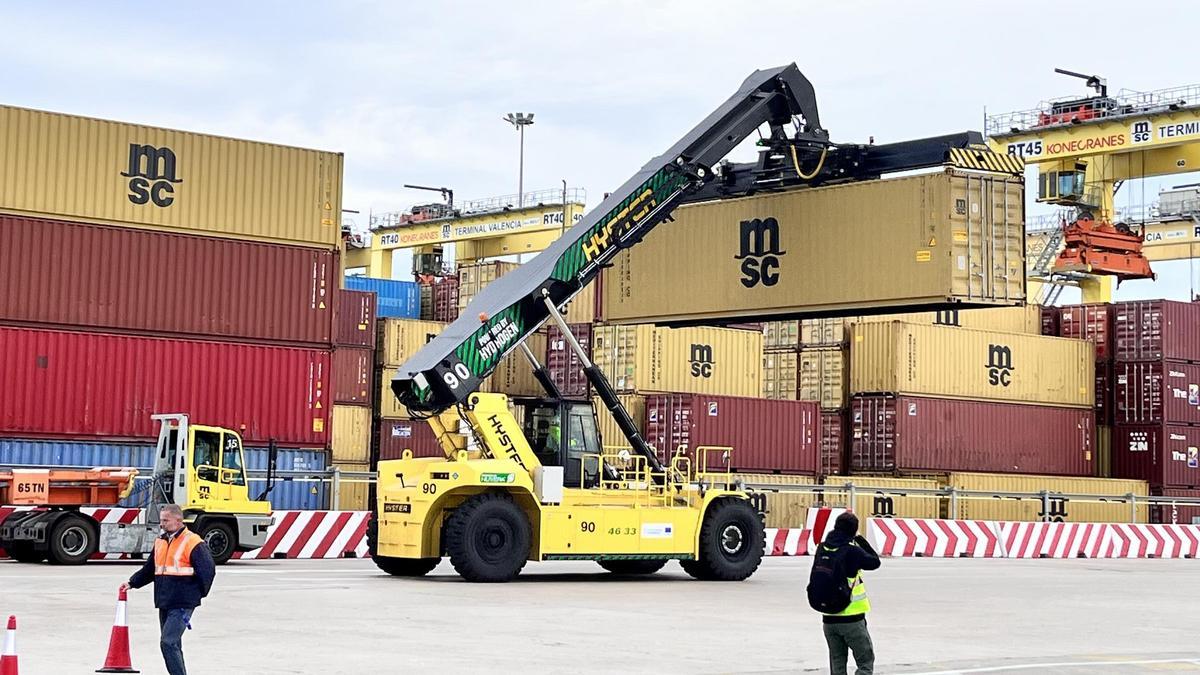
(175, 559)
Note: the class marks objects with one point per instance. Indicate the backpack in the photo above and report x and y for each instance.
(828, 588)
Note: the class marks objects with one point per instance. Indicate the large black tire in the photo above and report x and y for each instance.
(488, 538)
(23, 552)
(632, 566)
(406, 567)
(73, 539)
(732, 541)
(221, 540)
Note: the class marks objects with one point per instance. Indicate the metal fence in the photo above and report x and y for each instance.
(846, 494)
(1126, 103)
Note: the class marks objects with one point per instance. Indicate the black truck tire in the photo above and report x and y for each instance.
(73, 539)
(488, 538)
(632, 567)
(221, 540)
(732, 541)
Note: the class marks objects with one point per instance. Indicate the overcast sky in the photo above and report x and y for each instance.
(414, 92)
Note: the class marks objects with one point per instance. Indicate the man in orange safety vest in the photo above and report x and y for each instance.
(182, 570)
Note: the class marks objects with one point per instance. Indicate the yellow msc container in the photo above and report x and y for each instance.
(86, 169)
(781, 375)
(399, 339)
(823, 376)
(926, 240)
(785, 506)
(514, 375)
(686, 360)
(351, 493)
(351, 439)
(1062, 508)
(474, 276)
(885, 497)
(947, 362)
(1024, 319)
(610, 433)
(781, 335)
(824, 332)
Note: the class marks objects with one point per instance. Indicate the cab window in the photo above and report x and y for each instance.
(206, 454)
(231, 459)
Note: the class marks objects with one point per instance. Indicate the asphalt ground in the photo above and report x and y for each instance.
(344, 616)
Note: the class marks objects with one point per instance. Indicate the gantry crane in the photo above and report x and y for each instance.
(1085, 149)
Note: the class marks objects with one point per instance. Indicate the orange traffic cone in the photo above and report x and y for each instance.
(118, 660)
(8, 657)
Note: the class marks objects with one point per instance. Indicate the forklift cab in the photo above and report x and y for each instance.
(561, 434)
(203, 468)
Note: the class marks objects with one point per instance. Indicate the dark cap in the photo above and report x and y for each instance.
(847, 523)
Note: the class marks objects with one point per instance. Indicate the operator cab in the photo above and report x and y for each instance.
(200, 465)
(561, 434)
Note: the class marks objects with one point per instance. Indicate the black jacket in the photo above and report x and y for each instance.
(854, 555)
(172, 592)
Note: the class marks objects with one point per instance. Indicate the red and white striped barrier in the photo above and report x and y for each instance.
(295, 534)
(929, 538)
(1054, 540)
(314, 534)
(793, 541)
(1152, 541)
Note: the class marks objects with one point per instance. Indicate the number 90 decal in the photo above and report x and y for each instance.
(461, 372)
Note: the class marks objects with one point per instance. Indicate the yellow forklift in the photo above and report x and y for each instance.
(200, 468)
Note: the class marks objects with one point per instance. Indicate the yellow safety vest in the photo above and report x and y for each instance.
(859, 604)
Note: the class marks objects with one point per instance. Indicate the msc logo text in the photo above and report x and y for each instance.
(152, 175)
(701, 358)
(759, 252)
(999, 365)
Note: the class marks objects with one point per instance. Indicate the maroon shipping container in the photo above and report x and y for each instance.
(1164, 455)
(352, 368)
(1104, 392)
(63, 274)
(445, 299)
(776, 436)
(1088, 322)
(914, 434)
(395, 436)
(1175, 514)
(563, 364)
(1153, 330)
(69, 384)
(1149, 392)
(833, 442)
(1050, 321)
(355, 319)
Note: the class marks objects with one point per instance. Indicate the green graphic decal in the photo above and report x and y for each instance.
(487, 344)
(604, 234)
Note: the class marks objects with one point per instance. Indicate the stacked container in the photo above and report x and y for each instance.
(770, 436)
(1093, 323)
(937, 398)
(809, 360)
(354, 389)
(1156, 392)
(147, 281)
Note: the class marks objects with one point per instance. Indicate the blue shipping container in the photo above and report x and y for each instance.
(288, 494)
(396, 299)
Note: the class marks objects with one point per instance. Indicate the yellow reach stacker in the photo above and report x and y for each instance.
(546, 488)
